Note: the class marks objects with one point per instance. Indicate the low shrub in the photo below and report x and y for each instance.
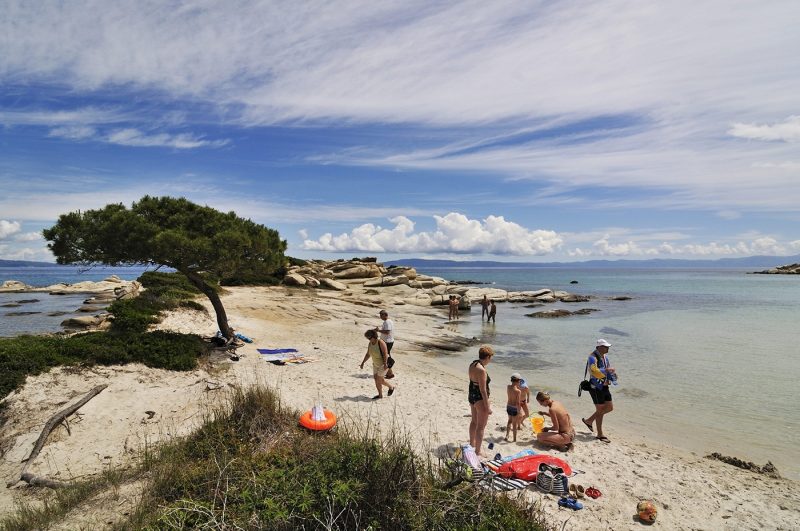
(253, 468)
(24, 356)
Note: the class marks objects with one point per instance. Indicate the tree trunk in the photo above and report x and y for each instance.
(219, 309)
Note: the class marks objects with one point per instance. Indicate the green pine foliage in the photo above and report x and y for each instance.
(198, 241)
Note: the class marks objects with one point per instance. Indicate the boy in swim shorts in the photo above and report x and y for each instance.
(513, 405)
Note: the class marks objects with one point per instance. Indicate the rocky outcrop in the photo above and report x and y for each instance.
(98, 322)
(552, 314)
(790, 269)
(14, 285)
(407, 286)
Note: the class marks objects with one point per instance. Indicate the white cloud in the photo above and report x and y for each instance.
(73, 132)
(786, 131)
(303, 233)
(762, 245)
(29, 237)
(72, 117)
(7, 228)
(455, 233)
(136, 138)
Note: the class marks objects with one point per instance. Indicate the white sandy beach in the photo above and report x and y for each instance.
(430, 405)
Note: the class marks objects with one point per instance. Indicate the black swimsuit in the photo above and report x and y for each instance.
(474, 389)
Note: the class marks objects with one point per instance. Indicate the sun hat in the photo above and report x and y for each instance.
(516, 376)
(603, 343)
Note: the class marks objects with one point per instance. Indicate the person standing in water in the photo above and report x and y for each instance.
(485, 308)
(601, 373)
(492, 313)
(478, 397)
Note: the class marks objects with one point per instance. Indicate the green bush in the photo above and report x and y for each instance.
(254, 468)
(24, 356)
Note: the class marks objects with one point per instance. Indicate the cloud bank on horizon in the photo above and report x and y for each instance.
(515, 129)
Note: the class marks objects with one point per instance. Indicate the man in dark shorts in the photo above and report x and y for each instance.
(601, 373)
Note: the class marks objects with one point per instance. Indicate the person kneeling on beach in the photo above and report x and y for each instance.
(380, 357)
(561, 434)
(513, 405)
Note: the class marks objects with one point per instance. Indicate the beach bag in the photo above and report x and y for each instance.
(390, 362)
(585, 385)
(551, 479)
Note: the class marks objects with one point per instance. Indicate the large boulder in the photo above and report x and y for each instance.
(13, 285)
(84, 322)
(493, 294)
(293, 279)
(332, 284)
(574, 298)
(410, 272)
(357, 271)
(312, 282)
(386, 281)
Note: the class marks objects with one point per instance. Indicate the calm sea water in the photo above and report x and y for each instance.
(44, 312)
(707, 359)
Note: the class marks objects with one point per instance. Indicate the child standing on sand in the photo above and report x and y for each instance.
(513, 405)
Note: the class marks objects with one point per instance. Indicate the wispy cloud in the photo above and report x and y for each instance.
(136, 138)
(81, 116)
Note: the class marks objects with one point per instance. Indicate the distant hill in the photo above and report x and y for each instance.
(26, 263)
(655, 263)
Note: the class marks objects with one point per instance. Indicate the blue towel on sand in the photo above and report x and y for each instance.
(276, 350)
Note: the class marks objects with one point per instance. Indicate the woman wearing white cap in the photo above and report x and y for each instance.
(600, 372)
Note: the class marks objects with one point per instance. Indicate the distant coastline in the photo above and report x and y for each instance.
(654, 263)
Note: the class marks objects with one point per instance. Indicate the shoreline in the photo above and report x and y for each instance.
(429, 406)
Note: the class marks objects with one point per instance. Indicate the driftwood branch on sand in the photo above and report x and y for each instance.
(37, 481)
(48, 427)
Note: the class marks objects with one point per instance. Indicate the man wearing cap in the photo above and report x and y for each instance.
(601, 373)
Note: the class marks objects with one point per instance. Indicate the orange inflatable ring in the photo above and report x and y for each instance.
(308, 422)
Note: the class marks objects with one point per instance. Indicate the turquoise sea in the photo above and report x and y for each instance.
(707, 359)
(45, 312)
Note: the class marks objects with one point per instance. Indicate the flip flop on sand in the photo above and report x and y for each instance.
(603, 439)
(570, 503)
(588, 425)
(593, 493)
(391, 391)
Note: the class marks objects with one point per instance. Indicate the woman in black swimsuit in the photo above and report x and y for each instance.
(479, 397)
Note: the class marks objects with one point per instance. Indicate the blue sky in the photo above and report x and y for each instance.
(518, 131)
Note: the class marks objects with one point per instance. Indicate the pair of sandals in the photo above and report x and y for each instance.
(570, 503)
(576, 491)
(602, 438)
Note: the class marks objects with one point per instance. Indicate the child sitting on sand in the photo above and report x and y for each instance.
(513, 405)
